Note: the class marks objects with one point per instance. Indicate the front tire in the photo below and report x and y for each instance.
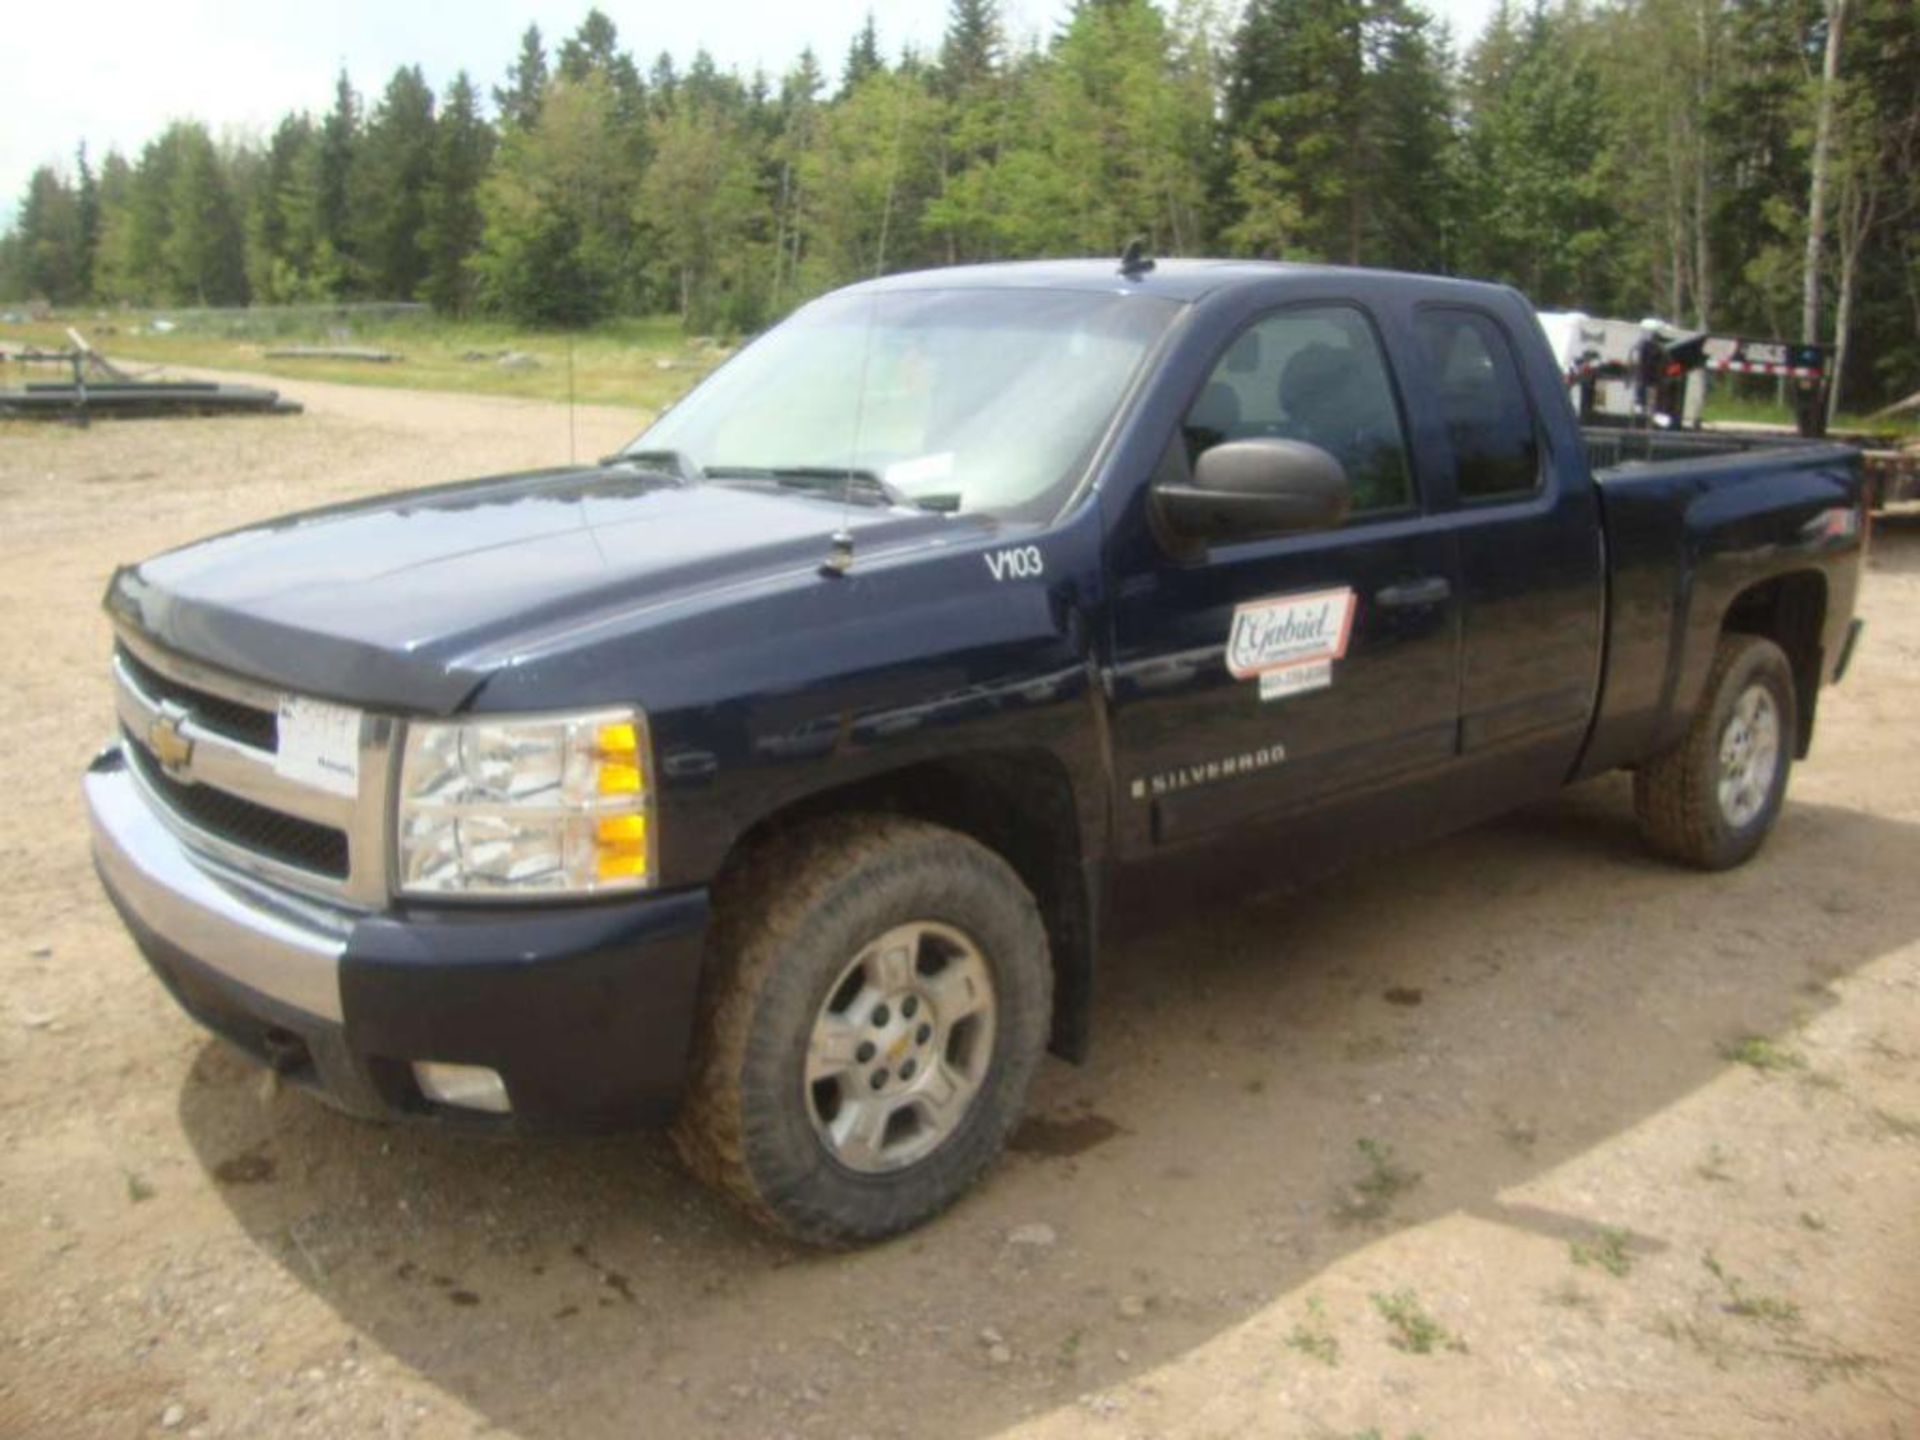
(878, 1002)
(1712, 799)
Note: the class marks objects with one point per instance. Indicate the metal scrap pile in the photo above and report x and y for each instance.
(100, 389)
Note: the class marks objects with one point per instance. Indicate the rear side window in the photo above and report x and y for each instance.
(1496, 451)
(1315, 374)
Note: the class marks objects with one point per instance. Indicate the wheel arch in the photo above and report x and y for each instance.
(1019, 803)
(1791, 611)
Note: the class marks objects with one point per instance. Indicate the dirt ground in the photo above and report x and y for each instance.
(1476, 1143)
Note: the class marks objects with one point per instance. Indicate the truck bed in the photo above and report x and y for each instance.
(1691, 521)
(1614, 447)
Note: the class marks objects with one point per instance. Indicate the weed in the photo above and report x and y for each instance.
(1414, 1331)
(1819, 1360)
(1895, 1127)
(1568, 1295)
(1714, 1167)
(1521, 1135)
(1759, 1053)
(1885, 1049)
(1313, 1338)
(1608, 1252)
(1743, 1303)
(1070, 1347)
(138, 1189)
(1373, 1194)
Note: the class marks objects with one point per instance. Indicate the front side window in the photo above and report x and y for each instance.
(1496, 452)
(1316, 374)
(960, 400)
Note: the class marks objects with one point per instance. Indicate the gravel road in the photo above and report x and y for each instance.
(1473, 1143)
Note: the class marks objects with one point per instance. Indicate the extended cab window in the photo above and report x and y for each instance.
(1313, 374)
(1496, 451)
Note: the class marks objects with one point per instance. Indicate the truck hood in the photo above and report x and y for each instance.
(409, 602)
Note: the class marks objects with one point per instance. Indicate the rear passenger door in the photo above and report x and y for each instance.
(1531, 565)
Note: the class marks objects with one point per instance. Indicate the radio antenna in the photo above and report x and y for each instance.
(570, 444)
(840, 559)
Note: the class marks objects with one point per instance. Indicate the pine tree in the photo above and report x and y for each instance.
(594, 46)
(333, 200)
(1536, 182)
(86, 200)
(203, 253)
(863, 57)
(559, 205)
(970, 52)
(112, 273)
(391, 173)
(279, 253)
(519, 99)
(463, 148)
(49, 239)
(1296, 111)
(1411, 202)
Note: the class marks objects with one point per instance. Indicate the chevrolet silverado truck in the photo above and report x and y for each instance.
(774, 777)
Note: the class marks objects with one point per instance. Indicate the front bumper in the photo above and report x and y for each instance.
(585, 1011)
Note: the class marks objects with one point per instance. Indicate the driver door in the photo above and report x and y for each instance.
(1283, 677)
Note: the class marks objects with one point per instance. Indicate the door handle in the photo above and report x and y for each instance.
(1430, 591)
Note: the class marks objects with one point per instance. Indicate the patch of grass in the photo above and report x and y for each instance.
(1726, 408)
(1607, 1251)
(646, 362)
(1819, 1361)
(1757, 1052)
(1385, 1180)
(1414, 1330)
(1313, 1337)
(1742, 1302)
(1070, 1347)
(138, 1189)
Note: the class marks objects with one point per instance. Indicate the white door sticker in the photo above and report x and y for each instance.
(1296, 679)
(1290, 641)
(319, 745)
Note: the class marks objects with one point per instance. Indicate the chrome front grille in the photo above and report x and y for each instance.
(202, 745)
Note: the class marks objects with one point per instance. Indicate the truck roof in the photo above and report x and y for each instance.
(1182, 280)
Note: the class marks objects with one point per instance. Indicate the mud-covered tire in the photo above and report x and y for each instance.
(787, 922)
(1680, 795)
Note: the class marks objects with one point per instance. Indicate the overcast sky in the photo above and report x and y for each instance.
(114, 72)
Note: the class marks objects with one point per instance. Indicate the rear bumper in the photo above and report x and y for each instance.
(585, 1011)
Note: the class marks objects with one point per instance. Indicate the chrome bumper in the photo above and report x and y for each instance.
(284, 948)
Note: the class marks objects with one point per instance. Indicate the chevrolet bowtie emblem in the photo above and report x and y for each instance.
(168, 740)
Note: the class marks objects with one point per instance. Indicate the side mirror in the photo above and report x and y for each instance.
(1247, 489)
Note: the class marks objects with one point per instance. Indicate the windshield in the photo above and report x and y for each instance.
(968, 400)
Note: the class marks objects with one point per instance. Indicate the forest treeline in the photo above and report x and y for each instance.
(1624, 157)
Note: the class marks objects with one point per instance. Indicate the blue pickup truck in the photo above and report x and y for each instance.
(775, 776)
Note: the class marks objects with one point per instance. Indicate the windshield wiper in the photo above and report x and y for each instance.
(670, 463)
(831, 481)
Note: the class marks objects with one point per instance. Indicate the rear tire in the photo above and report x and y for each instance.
(878, 1000)
(1712, 799)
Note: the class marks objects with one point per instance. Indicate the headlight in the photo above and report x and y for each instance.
(556, 804)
